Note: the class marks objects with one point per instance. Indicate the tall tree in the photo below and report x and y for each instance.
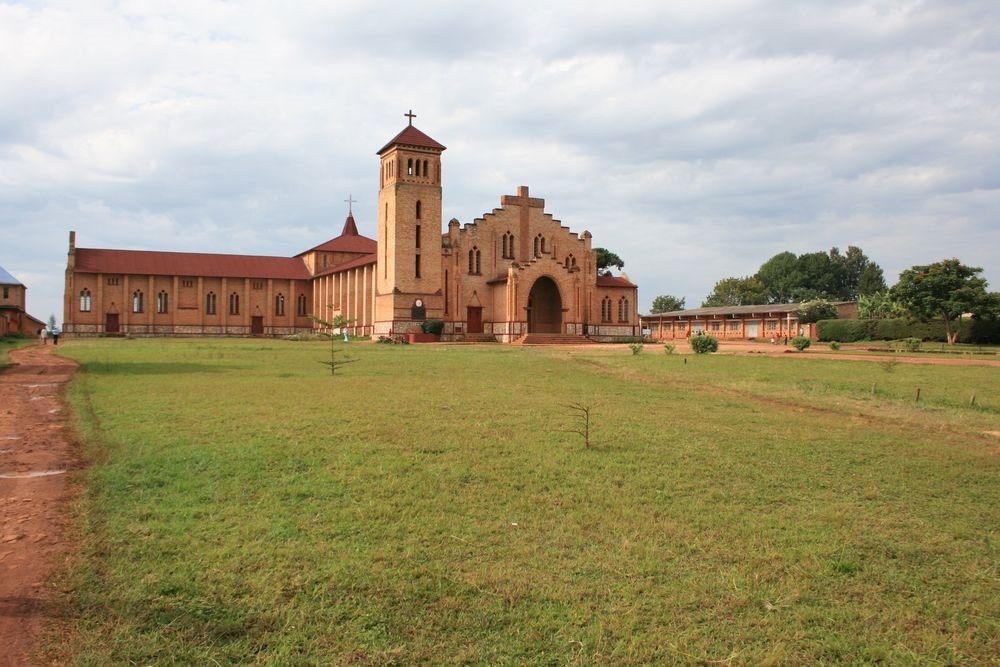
(780, 277)
(946, 289)
(606, 259)
(737, 292)
(666, 303)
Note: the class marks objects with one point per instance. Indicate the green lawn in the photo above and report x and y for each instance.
(429, 505)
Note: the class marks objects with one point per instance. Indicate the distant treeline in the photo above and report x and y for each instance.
(979, 332)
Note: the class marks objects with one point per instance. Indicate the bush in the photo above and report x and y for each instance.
(843, 331)
(911, 344)
(801, 343)
(635, 347)
(834, 345)
(704, 344)
(669, 348)
(432, 327)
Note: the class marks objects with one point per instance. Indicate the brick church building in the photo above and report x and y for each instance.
(514, 271)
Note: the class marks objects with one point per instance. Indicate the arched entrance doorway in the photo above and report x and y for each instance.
(544, 307)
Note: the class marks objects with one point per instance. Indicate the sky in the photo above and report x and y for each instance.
(693, 139)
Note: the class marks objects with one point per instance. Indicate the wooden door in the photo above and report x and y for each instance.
(474, 320)
(257, 325)
(111, 323)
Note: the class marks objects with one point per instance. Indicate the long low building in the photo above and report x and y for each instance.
(765, 321)
(14, 319)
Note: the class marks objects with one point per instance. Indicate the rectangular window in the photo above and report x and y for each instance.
(187, 282)
(112, 281)
(6, 292)
(257, 284)
(772, 325)
(733, 325)
(302, 305)
(716, 325)
(417, 267)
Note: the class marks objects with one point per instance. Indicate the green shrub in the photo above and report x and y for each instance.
(704, 344)
(834, 345)
(669, 348)
(911, 344)
(801, 342)
(843, 331)
(432, 327)
(635, 347)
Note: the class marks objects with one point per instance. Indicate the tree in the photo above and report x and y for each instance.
(947, 289)
(780, 277)
(814, 311)
(878, 306)
(736, 292)
(606, 259)
(329, 327)
(666, 303)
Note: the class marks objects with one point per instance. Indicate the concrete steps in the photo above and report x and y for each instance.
(554, 339)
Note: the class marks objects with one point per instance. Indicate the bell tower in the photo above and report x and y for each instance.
(408, 283)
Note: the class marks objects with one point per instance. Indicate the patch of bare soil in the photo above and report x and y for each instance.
(36, 453)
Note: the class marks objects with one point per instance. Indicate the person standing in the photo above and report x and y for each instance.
(43, 335)
(55, 335)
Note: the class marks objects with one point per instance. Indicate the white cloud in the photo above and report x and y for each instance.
(694, 139)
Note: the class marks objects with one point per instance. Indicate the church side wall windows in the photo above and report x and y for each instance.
(536, 246)
(161, 302)
(279, 304)
(210, 303)
(416, 266)
(234, 304)
(84, 299)
(623, 309)
(418, 209)
(409, 167)
(137, 301)
(474, 261)
(301, 305)
(417, 240)
(508, 246)
(606, 309)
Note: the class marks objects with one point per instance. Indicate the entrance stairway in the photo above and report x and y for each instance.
(476, 338)
(553, 339)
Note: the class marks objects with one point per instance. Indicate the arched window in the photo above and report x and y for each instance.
(606, 309)
(508, 246)
(425, 167)
(137, 301)
(536, 245)
(570, 261)
(210, 303)
(418, 209)
(279, 304)
(85, 300)
(474, 261)
(409, 167)
(161, 302)
(623, 309)
(234, 304)
(301, 305)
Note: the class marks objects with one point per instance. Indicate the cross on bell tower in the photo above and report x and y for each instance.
(409, 114)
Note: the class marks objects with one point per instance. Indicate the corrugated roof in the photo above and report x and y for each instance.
(7, 279)
(761, 308)
(353, 264)
(149, 262)
(614, 281)
(411, 136)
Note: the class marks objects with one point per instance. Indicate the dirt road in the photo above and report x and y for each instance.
(36, 454)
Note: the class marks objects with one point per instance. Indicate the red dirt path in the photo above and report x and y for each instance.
(36, 454)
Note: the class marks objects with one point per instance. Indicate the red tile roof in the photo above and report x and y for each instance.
(353, 264)
(348, 241)
(614, 281)
(148, 262)
(411, 136)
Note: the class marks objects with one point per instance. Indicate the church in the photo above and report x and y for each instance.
(514, 271)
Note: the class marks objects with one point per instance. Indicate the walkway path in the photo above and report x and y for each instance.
(35, 455)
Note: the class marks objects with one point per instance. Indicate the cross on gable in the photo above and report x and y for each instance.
(522, 199)
(410, 115)
(350, 201)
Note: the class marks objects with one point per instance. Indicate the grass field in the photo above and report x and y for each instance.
(430, 505)
(10, 343)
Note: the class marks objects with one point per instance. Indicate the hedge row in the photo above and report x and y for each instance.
(981, 332)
